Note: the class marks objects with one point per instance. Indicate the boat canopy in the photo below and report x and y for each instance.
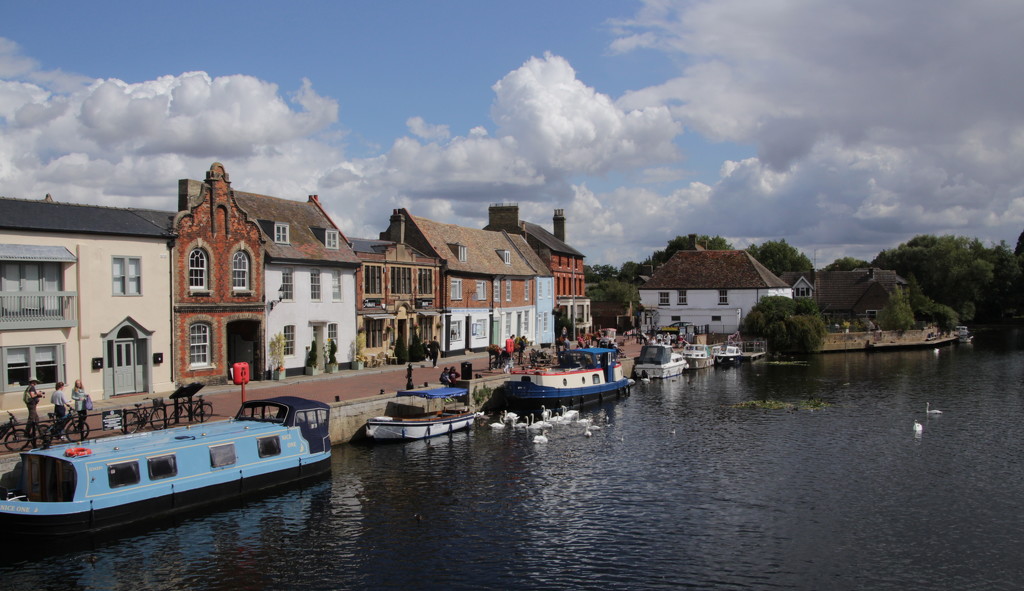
(435, 392)
(280, 409)
(655, 355)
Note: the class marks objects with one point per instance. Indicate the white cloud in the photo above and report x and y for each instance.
(420, 128)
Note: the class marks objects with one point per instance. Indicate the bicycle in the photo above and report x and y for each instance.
(153, 415)
(193, 409)
(71, 426)
(12, 434)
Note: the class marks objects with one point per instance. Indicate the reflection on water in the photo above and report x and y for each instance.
(675, 488)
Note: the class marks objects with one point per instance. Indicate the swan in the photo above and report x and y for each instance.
(542, 438)
(545, 414)
(587, 433)
(918, 428)
(929, 410)
(499, 425)
(510, 417)
(571, 415)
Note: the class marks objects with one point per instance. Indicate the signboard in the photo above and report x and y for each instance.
(113, 420)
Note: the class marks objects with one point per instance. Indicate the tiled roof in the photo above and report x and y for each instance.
(50, 216)
(483, 248)
(842, 290)
(307, 223)
(713, 269)
(549, 240)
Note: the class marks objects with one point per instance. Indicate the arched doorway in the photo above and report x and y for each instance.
(127, 368)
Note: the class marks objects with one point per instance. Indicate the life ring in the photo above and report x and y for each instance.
(75, 452)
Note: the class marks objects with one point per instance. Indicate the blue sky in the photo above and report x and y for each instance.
(843, 127)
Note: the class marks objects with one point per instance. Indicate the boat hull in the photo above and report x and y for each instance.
(405, 428)
(660, 372)
(700, 362)
(530, 397)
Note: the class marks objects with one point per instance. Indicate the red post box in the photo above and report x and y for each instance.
(240, 373)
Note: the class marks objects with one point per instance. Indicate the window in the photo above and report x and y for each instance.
(425, 282)
(681, 297)
(40, 361)
(331, 239)
(662, 298)
(401, 280)
(372, 279)
(123, 474)
(723, 297)
(314, 285)
(463, 252)
(336, 286)
(222, 455)
(289, 340)
(375, 332)
(163, 467)
(716, 319)
(199, 345)
(269, 446)
(525, 328)
(508, 290)
(456, 289)
(287, 286)
(481, 291)
(240, 271)
(526, 290)
(802, 292)
(507, 257)
(456, 331)
(478, 328)
(197, 266)
(332, 332)
(496, 290)
(127, 276)
(281, 233)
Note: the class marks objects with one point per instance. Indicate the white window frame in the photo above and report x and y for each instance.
(662, 298)
(481, 291)
(198, 270)
(127, 282)
(199, 344)
(681, 297)
(456, 289)
(289, 340)
(463, 252)
(508, 290)
(455, 332)
(240, 272)
(723, 297)
(336, 294)
(282, 233)
(315, 286)
(506, 256)
(287, 291)
(331, 240)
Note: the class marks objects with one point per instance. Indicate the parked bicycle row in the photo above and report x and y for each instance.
(74, 425)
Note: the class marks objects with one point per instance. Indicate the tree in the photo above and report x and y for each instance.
(779, 257)
(613, 290)
(847, 264)
(417, 351)
(897, 314)
(776, 319)
(401, 351)
(599, 273)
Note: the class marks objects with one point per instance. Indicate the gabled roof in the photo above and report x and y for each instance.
(713, 269)
(842, 290)
(549, 240)
(378, 246)
(46, 215)
(307, 226)
(483, 248)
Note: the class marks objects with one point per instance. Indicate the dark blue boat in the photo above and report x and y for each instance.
(582, 376)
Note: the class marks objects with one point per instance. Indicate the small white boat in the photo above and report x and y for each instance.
(697, 356)
(658, 362)
(422, 425)
(963, 335)
(727, 354)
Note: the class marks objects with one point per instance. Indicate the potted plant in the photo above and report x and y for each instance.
(331, 352)
(359, 345)
(311, 368)
(277, 345)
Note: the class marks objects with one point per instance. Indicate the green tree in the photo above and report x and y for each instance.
(779, 257)
(417, 351)
(897, 313)
(599, 273)
(776, 319)
(613, 290)
(847, 264)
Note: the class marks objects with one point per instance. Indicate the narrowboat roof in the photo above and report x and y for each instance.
(435, 392)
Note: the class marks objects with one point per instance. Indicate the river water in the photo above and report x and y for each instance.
(676, 489)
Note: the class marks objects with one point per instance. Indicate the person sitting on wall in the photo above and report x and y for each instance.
(453, 375)
(446, 377)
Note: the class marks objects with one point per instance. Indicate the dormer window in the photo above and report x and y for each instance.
(281, 233)
(331, 240)
(463, 252)
(506, 256)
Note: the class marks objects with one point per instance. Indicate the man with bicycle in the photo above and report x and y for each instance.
(31, 399)
(60, 407)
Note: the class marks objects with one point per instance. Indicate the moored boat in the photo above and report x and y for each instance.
(964, 335)
(697, 356)
(727, 354)
(422, 425)
(114, 481)
(658, 361)
(582, 376)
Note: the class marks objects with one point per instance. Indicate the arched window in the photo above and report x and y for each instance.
(197, 269)
(240, 271)
(199, 345)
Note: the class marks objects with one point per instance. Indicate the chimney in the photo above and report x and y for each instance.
(559, 223)
(314, 199)
(503, 216)
(396, 231)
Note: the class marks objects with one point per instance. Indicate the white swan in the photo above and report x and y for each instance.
(510, 417)
(571, 415)
(929, 410)
(542, 438)
(587, 433)
(499, 425)
(918, 428)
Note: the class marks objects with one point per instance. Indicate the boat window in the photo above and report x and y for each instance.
(163, 467)
(123, 474)
(269, 446)
(222, 455)
(258, 411)
(597, 379)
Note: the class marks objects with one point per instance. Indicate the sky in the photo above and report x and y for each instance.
(844, 127)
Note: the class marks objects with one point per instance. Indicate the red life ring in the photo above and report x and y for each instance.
(74, 452)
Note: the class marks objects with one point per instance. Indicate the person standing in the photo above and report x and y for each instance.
(31, 398)
(435, 350)
(79, 395)
(60, 405)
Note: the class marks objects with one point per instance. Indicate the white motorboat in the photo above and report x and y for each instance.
(658, 362)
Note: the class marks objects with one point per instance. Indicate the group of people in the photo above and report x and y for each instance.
(59, 398)
(449, 376)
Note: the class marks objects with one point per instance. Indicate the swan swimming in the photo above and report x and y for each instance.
(542, 438)
(918, 428)
(929, 410)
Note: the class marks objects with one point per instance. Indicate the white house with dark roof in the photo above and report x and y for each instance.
(84, 294)
(707, 288)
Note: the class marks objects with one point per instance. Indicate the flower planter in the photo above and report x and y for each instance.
(331, 368)
(278, 374)
(312, 371)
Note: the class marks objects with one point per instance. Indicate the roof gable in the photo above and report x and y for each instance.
(307, 225)
(713, 269)
(483, 248)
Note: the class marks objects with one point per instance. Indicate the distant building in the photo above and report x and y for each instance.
(861, 293)
(707, 288)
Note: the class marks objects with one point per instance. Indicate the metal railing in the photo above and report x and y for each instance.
(38, 309)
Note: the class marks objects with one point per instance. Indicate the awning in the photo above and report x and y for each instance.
(425, 313)
(435, 393)
(378, 316)
(35, 252)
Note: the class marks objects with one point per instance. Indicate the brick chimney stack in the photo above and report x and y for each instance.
(559, 223)
(396, 231)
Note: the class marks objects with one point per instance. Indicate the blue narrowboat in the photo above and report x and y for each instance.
(105, 483)
(582, 376)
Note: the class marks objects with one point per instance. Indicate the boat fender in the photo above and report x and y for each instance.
(74, 452)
